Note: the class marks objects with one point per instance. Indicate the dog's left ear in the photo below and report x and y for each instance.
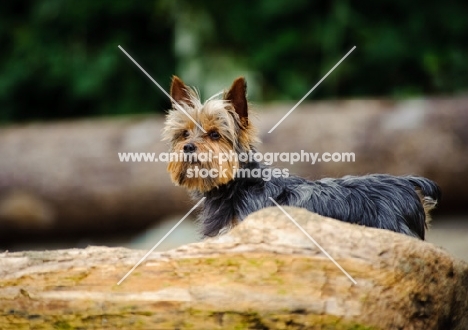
(237, 96)
(180, 92)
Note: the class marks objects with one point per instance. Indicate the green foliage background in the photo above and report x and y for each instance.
(60, 59)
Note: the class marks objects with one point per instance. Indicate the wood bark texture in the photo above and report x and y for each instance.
(264, 274)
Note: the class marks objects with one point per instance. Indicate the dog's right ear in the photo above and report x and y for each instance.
(237, 95)
(180, 92)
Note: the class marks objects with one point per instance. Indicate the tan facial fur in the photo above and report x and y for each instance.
(226, 117)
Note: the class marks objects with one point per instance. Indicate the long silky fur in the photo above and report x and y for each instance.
(378, 200)
(400, 204)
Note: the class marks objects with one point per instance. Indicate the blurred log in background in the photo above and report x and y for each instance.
(64, 179)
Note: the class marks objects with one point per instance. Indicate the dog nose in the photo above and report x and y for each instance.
(189, 148)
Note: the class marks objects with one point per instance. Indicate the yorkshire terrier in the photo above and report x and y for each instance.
(222, 127)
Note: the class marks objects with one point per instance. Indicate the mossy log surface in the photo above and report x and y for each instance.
(263, 274)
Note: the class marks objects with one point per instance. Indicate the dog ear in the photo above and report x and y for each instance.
(237, 96)
(180, 92)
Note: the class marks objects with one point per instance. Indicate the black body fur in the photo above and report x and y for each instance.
(400, 204)
(378, 200)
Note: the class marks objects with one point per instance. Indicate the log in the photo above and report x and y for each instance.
(426, 137)
(66, 178)
(264, 274)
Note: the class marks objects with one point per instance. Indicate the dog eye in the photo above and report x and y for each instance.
(185, 134)
(214, 135)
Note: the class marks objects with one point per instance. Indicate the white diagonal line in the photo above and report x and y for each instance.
(316, 85)
(160, 241)
(177, 105)
(314, 241)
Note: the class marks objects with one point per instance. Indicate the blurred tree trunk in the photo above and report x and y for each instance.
(425, 137)
(66, 176)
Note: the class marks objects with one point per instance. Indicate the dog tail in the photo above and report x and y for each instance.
(429, 193)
